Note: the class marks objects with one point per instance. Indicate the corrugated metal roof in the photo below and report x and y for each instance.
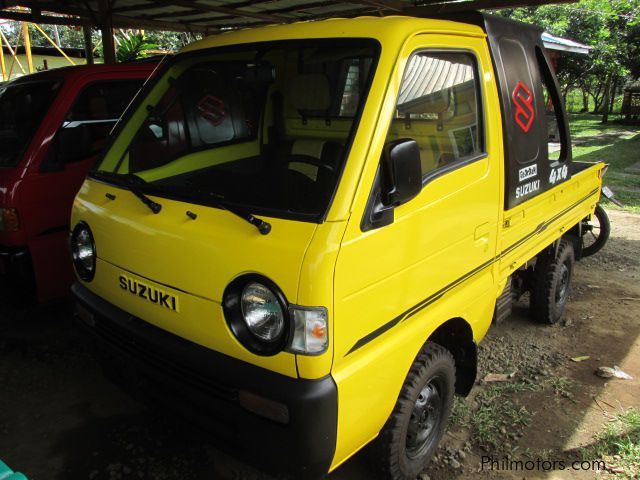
(211, 16)
(426, 75)
(553, 42)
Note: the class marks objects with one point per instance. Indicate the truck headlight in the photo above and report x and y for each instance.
(264, 322)
(83, 251)
(262, 312)
(9, 220)
(257, 313)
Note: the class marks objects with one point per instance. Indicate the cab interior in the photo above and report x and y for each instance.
(272, 128)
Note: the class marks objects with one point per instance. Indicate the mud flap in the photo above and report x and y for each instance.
(504, 304)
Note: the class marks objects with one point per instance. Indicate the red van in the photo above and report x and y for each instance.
(52, 126)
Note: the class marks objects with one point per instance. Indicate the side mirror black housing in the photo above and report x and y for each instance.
(402, 171)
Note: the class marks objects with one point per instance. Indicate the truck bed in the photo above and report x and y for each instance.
(530, 227)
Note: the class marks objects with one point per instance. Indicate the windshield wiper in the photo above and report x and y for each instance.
(131, 182)
(216, 201)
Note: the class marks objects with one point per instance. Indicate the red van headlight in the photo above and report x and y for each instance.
(9, 220)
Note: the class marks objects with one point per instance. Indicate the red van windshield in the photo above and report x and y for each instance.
(22, 107)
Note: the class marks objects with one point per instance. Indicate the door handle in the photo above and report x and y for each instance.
(482, 236)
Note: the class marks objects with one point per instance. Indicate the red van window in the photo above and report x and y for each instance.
(23, 105)
(88, 123)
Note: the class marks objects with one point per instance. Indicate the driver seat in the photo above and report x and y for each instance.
(315, 158)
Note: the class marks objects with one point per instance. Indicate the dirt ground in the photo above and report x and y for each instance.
(60, 419)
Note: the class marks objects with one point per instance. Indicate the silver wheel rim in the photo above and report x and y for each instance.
(425, 418)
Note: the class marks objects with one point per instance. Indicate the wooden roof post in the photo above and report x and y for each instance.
(88, 48)
(106, 28)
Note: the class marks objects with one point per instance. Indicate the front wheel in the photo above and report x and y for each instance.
(595, 232)
(552, 283)
(412, 433)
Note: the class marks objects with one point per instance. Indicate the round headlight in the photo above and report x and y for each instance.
(83, 251)
(262, 312)
(257, 313)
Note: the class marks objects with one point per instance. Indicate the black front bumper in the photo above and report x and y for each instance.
(204, 387)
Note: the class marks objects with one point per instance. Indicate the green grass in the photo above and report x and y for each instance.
(574, 103)
(495, 416)
(614, 143)
(561, 386)
(619, 444)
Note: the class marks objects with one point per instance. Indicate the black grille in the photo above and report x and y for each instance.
(151, 358)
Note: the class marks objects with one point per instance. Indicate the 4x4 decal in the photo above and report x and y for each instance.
(524, 112)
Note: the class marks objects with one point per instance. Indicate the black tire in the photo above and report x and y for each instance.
(412, 433)
(595, 232)
(552, 283)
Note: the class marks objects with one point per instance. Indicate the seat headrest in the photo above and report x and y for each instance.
(309, 147)
(310, 91)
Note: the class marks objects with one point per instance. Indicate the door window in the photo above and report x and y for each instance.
(439, 107)
(87, 126)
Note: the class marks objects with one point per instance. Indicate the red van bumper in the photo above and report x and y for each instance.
(16, 273)
(41, 271)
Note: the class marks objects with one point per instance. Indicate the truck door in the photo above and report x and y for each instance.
(401, 273)
(50, 191)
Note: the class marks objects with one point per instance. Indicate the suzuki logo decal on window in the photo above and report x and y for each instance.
(523, 99)
(212, 109)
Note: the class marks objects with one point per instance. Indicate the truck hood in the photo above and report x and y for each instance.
(195, 256)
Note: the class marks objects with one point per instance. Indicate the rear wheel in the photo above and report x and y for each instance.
(595, 232)
(552, 283)
(412, 433)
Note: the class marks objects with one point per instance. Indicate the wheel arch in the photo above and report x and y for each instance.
(456, 335)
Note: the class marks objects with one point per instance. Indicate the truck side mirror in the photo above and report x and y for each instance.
(402, 171)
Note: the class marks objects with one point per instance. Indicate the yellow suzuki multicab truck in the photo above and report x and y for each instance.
(300, 233)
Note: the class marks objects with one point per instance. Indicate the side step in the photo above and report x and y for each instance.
(504, 304)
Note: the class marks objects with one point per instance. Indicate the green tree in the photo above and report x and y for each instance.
(133, 47)
(609, 27)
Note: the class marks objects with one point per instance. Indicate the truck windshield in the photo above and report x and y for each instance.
(22, 108)
(261, 128)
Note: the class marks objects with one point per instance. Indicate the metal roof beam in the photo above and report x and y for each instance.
(43, 19)
(86, 17)
(397, 5)
(226, 10)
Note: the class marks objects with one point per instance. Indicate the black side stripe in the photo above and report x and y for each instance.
(440, 293)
